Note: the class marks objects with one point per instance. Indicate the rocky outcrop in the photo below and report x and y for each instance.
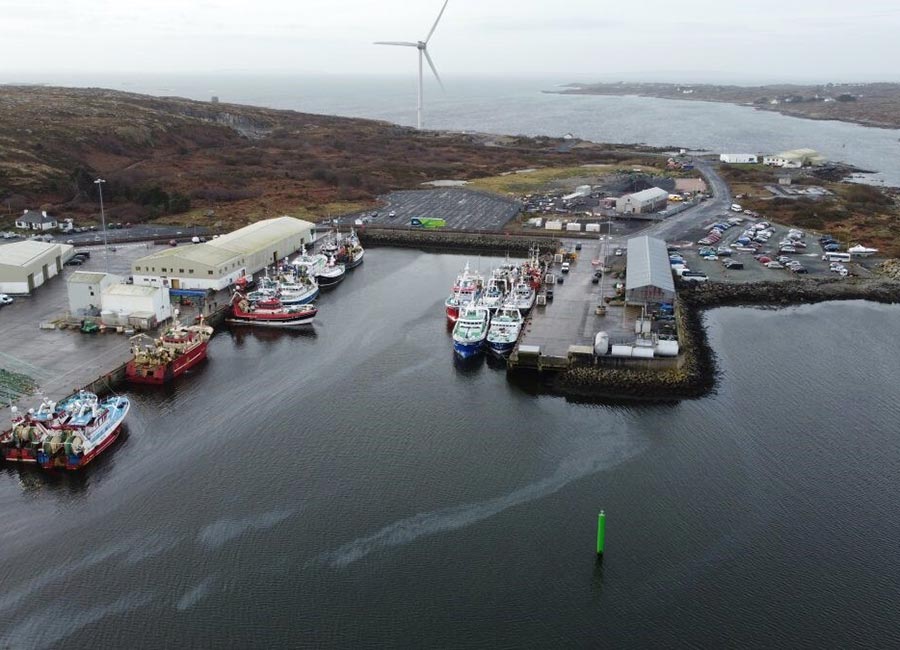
(890, 269)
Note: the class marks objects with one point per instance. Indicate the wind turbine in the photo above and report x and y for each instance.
(422, 46)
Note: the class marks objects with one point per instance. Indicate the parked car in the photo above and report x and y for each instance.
(733, 265)
(6, 300)
(565, 267)
(75, 261)
(774, 265)
(619, 252)
(694, 276)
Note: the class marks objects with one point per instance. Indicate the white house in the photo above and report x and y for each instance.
(739, 158)
(649, 200)
(36, 220)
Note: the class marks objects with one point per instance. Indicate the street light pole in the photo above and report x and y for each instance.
(99, 182)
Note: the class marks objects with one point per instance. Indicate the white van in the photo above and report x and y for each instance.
(735, 207)
(836, 257)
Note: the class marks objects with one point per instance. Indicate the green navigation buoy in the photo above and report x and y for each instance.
(601, 532)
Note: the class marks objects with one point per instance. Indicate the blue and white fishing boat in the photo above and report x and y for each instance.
(504, 331)
(470, 330)
(82, 431)
(496, 292)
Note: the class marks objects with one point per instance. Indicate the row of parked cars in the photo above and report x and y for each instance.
(78, 259)
(681, 270)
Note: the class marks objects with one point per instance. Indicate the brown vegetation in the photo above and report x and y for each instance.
(855, 213)
(207, 163)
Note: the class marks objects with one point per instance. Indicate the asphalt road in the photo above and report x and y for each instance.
(134, 233)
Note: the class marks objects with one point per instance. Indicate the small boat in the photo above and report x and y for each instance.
(504, 331)
(351, 252)
(331, 274)
(78, 436)
(270, 312)
(523, 296)
(471, 329)
(466, 290)
(180, 348)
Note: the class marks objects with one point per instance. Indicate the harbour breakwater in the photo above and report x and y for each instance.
(450, 240)
(695, 376)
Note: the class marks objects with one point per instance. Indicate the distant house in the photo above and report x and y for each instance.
(36, 220)
(794, 159)
(739, 158)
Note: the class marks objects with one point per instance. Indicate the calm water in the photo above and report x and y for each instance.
(519, 107)
(356, 487)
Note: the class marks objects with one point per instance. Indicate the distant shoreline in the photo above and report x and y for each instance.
(875, 105)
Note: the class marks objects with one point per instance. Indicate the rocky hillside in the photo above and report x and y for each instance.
(200, 161)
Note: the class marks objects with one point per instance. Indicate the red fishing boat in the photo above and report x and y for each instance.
(269, 312)
(180, 348)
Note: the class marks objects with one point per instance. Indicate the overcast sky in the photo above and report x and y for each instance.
(567, 40)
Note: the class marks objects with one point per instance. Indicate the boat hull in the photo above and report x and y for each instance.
(501, 349)
(167, 372)
(74, 462)
(257, 322)
(468, 349)
(20, 455)
(351, 263)
(327, 282)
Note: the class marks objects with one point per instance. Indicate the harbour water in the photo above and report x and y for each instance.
(518, 106)
(355, 486)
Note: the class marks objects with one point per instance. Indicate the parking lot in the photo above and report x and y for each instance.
(754, 271)
(462, 209)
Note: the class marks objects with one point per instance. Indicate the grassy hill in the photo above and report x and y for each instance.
(185, 161)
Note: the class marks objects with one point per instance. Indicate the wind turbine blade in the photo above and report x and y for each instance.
(404, 43)
(433, 27)
(433, 69)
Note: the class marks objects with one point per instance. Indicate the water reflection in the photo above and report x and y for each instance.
(470, 366)
(239, 333)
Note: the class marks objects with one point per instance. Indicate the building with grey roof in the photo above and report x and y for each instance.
(649, 274)
(218, 263)
(649, 200)
(26, 265)
(36, 220)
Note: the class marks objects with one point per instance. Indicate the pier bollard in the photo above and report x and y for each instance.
(601, 533)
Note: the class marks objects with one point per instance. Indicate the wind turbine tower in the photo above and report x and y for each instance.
(422, 46)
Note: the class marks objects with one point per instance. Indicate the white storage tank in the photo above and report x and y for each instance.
(601, 343)
(553, 225)
(667, 348)
(592, 227)
(573, 227)
(642, 352)
(621, 351)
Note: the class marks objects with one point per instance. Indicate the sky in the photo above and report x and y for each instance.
(568, 40)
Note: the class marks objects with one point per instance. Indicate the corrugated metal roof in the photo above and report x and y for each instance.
(22, 253)
(244, 241)
(85, 277)
(648, 264)
(650, 194)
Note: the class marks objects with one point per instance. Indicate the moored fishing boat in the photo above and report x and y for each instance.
(331, 274)
(350, 253)
(523, 296)
(269, 313)
(504, 331)
(180, 348)
(81, 434)
(471, 329)
(466, 290)
(495, 293)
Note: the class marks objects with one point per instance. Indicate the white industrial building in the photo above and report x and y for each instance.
(794, 159)
(649, 274)
(135, 306)
(26, 265)
(85, 289)
(218, 263)
(739, 158)
(36, 220)
(649, 200)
